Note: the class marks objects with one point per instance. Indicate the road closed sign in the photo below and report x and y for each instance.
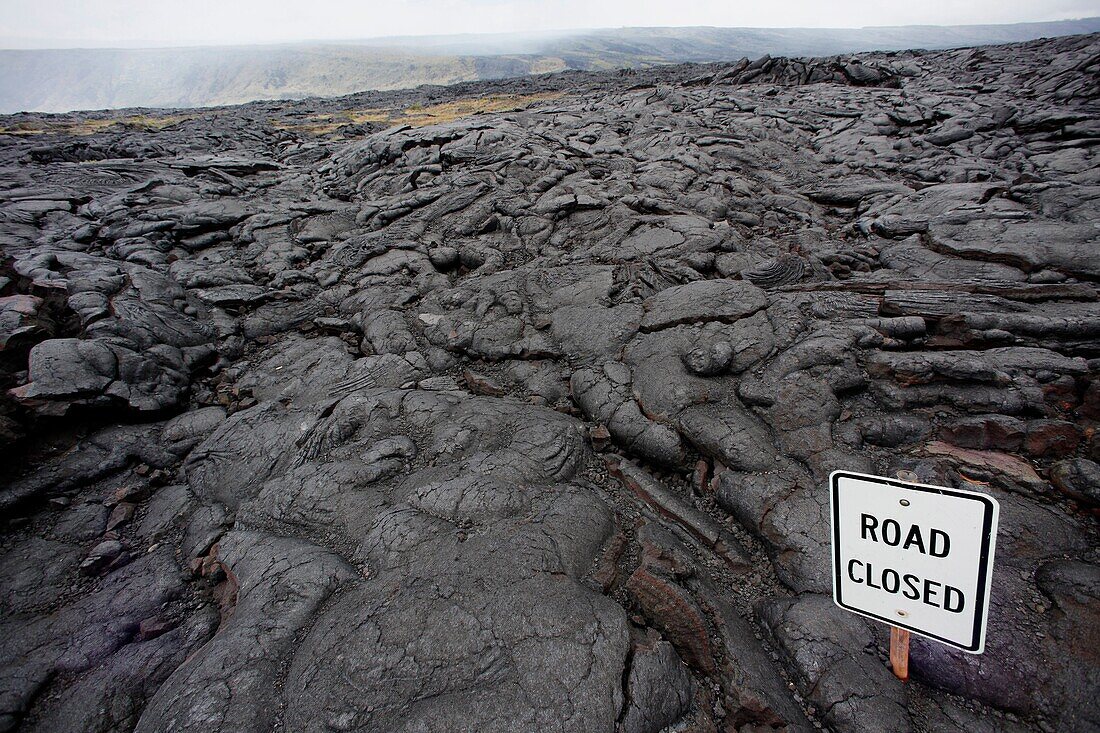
(914, 556)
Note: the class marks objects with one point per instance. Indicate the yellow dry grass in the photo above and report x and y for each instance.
(149, 123)
(448, 111)
(417, 115)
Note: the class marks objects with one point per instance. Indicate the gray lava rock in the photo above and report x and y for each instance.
(301, 416)
(710, 300)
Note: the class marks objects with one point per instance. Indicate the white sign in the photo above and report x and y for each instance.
(914, 556)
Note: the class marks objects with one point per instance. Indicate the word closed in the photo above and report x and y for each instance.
(914, 556)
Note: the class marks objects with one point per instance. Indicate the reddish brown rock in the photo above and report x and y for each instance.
(989, 464)
(482, 384)
(985, 432)
(606, 570)
(1051, 438)
(700, 476)
(600, 437)
(151, 628)
(120, 515)
(671, 609)
(1090, 403)
(128, 492)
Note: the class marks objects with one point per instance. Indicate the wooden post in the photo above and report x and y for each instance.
(899, 653)
(899, 638)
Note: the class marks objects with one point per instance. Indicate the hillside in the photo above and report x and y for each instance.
(62, 80)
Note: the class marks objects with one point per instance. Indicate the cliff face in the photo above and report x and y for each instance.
(511, 406)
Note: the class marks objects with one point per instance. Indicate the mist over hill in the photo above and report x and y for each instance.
(57, 80)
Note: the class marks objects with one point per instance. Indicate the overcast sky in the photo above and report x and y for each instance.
(64, 23)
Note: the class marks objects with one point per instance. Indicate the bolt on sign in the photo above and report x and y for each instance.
(914, 556)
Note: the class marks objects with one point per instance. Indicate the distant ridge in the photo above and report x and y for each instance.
(58, 80)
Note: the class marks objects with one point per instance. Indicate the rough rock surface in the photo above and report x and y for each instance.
(305, 430)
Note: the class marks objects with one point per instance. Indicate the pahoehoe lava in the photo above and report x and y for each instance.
(523, 420)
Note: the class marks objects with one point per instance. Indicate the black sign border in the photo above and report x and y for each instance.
(983, 570)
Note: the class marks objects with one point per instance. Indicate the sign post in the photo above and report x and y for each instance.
(914, 556)
(899, 638)
(899, 653)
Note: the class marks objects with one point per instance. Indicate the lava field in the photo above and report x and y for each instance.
(511, 406)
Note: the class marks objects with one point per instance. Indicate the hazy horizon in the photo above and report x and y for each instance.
(129, 24)
(418, 40)
(60, 80)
